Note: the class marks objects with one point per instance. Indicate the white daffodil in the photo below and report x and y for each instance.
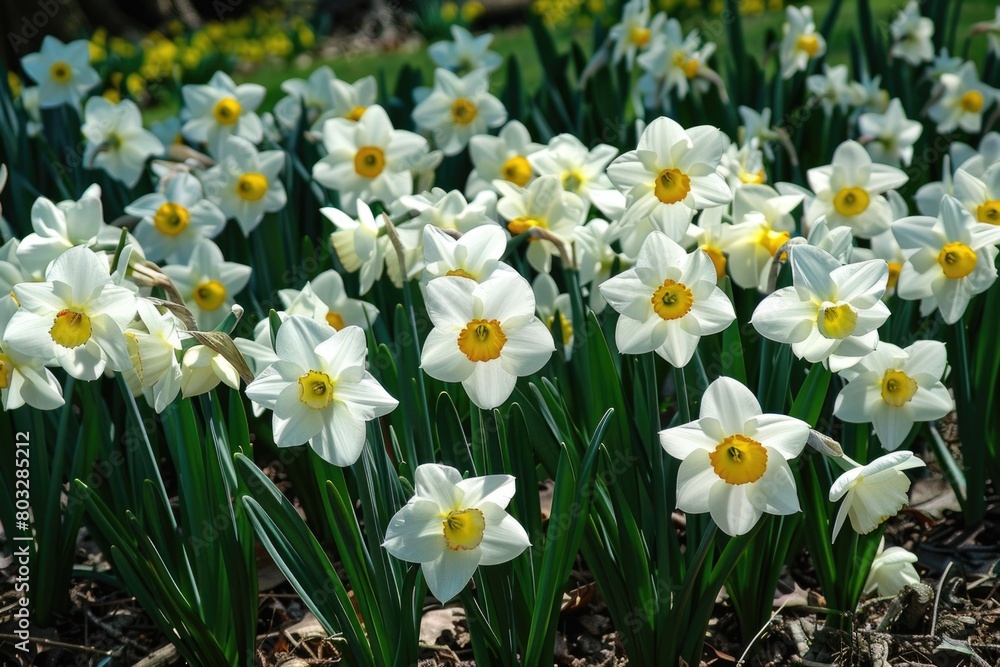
(173, 221)
(976, 160)
(911, 35)
(24, 380)
(928, 197)
(12, 271)
(671, 174)
(351, 100)
(580, 169)
(153, 344)
(313, 94)
(871, 96)
(451, 526)
(465, 53)
(981, 196)
(543, 205)
(849, 191)
(447, 210)
(872, 493)
(503, 157)
(838, 242)
(59, 227)
(757, 130)
(245, 184)
(834, 88)
(762, 225)
(668, 301)
(885, 247)
(116, 140)
(459, 108)
(891, 570)
(75, 318)
(800, 42)
(208, 283)
(361, 244)
(893, 388)
(475, 254)
(550, 304)
(673, 62)
(962, 100)
(710, 232)
(829, 310)
(485, 335)
(634, 32)
(221, 109)
(320, 391)
(325, 300)
(949, 259)
(734, 459)
(258, 353)
(891, 134)
(596, 258)
(202, 369)
(367, 159)
(743, 165)
(62, 72)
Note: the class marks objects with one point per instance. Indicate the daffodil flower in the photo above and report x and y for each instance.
(208, 283)
(320, 391)
(203, 369)
(634, 32)
(800, 42)
(24, 380)
(245, 184)
(465, 52)
(911, 35)
(57, 227)
(872, 493)
(892, 134)
(75, 319)
(485, 335)
(459, 108)
(503, 157)
(553, 308)
(62, 72)
(734, 459)
(325, 300)
(668, 301)
(451, 526)
(831, 311)
(544, 204)
(153, 344)
(581, 169)
(116, 140)
(891, 570)
(949, 259)
(893, 388)
(962, 100)
(221, 109)
(475, 254)
(981, 196)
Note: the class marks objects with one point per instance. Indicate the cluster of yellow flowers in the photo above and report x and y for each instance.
(745, 7)
(461, 12)
(563, 12)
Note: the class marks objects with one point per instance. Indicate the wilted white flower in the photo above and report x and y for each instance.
(221, 109)
(872, 493)
(362, 245)
(62, 72)
(203, 369)
(891, 570)
(153, 344)
(459, 108)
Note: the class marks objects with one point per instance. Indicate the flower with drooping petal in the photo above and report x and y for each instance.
(849, 191)
(314, 94)
(62, 72)
(173, 221)
(153, 343)
(949, 259)
(757, 130)
(743, 165)
(504, 157)
(221, 109)
(543, 205)
(451, 526)
(831, 311)
(475, 254)
(892, 134)
(580, 169)
(872, 493)
(838, 242)
(894, 388)
(208, 283)
(24, 380)
(485, 335)
(800, 43)
(368, 159)
(459, 108)
(671, 174)
(361, 244)
(911, 35)
(75, 318)
(465, 53)
(202, 369)
(668, 301)
(891, 570)
(325, 300)
(962, 101)
(116, 140)
(447, 210)
(320, 391)
(245, 184)
(734, 459)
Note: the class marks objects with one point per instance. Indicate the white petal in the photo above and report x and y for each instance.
(415, 534)
(731, 403)
(731, 510)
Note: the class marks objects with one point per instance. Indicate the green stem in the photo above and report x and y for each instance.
(972, 440)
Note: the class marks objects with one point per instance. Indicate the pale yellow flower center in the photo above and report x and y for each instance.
(252, 187)
(6, 371)
(639, 35)
(807, 43)
(838, 321)
(898, 388)
(315, 390)
(464, 529)
(523, 224)
(957, 260)
(672, 186)
(461, 273)
(772, 240)
(171, 219)
(564, 324)
(463, 111)
(356, 113)
(894, 269)
(70, 328)
(753, 177)
(517, 170)
(369, 161)
(718, 259)
(210, 295)
(672, 300)
(739, 460)
(971, 102)
(851, 201)
(227, 111)
(989, 212)
(335, 320)
(482, 340)
(61, 72)
(572, 180)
